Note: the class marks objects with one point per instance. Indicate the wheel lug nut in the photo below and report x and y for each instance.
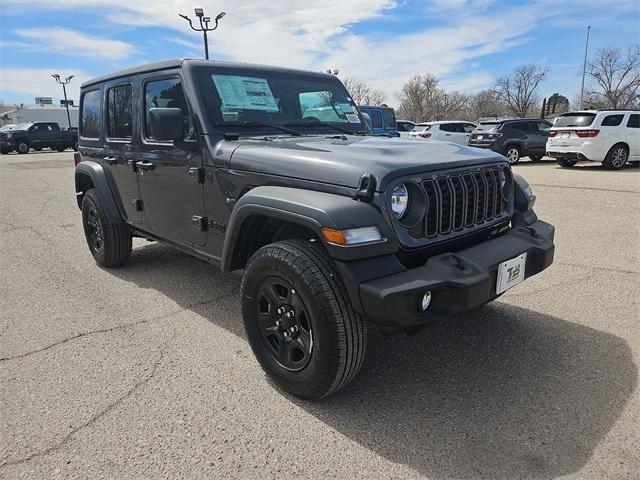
(286, 334)
(290, 314)
(280, 310)
(293, 329)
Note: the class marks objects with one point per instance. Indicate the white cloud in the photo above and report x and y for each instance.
(37, 82)
(71, 42)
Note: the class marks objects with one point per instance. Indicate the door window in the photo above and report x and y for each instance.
(376, 118)
(91, 114)
(634, 121)
(448, 127)
(165, 93)
(612, 120)
(119, 112)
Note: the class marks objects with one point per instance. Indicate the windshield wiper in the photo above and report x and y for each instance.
(255, 123)
(318, 123)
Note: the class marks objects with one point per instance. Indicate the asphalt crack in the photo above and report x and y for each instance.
(584, 188)
(97, 416)
(116, 327)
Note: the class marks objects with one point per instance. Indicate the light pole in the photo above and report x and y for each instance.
(64, 90)
(584, 66)
(204, 26)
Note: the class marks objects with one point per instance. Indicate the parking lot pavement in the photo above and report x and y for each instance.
(144, 371)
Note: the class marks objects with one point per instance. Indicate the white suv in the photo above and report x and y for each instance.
(447, 131)
(608, 136)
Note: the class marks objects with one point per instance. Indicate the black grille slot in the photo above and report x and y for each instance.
(459, 201)
(431, 223)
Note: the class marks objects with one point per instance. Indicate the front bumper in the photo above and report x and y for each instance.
(457, 282)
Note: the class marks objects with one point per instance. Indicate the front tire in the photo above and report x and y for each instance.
(512, 152)
(109, 243)
(299, 320)
(616, 157)
(23, 147)
(535, 158)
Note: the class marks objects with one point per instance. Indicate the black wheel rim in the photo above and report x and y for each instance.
(95, 231)
(284, 323)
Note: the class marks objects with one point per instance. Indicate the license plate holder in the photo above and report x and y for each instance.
(511, 273)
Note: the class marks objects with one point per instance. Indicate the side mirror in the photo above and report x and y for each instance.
(367, 119)
(166, 124)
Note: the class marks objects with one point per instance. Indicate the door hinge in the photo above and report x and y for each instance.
(198, 174)
(139, 205)
(201, 223)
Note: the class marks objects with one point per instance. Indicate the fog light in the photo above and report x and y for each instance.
(426, 301)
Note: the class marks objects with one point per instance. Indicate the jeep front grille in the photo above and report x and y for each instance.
(461, 201)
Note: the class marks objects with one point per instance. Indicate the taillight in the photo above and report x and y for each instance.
(552, 134)
(77, 158)
(587, 133)
(425, 135)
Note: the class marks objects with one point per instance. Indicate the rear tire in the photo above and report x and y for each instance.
(563, 162)
(617, 157)
(109, 243)
(535, 158)
(512, 152)
(61, 149)
(329, 337)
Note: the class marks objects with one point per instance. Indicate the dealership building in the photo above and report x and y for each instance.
(43, 110)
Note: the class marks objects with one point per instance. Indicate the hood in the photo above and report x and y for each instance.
(343, 160)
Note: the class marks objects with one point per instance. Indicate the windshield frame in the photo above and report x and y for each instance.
(209, 100)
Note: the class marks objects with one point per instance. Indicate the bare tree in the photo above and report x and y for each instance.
(362, 93)
(421, 100)
(485, 104)
(615, 77)
(519, 90)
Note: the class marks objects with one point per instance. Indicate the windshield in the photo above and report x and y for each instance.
(578, 119)
(254, 98)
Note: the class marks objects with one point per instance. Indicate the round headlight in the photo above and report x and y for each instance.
(399, 200)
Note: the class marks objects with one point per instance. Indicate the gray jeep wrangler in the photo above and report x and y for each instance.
(274, 171)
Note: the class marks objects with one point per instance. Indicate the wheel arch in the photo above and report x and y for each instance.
(268, 214)
(91, 175)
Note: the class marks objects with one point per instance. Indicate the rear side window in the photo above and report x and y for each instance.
(119, 107)
(389, 119)
(544, 126)
(612, 120)
(164, 93)
(575, 120)
(524, 126)
(634, 121)
(91, 114)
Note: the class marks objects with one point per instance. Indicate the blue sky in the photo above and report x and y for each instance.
(466, 43)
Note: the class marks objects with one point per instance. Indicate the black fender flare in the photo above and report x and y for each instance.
(99, 180)
(312, 210)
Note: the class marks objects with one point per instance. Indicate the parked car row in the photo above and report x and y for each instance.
(611, 137)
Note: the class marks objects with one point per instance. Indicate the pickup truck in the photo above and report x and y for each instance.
(37, 135)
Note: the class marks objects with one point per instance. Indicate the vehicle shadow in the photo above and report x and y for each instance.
(501, 392)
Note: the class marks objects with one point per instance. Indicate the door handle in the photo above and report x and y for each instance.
(110, 160)
(142, 165)
(447, 134)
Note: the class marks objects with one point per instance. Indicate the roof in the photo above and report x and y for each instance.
(179, 62)
(439, 122)
(387, 107)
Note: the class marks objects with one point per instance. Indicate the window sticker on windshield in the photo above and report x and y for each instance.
(245, 93)
(353, 118)
(346, 107)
